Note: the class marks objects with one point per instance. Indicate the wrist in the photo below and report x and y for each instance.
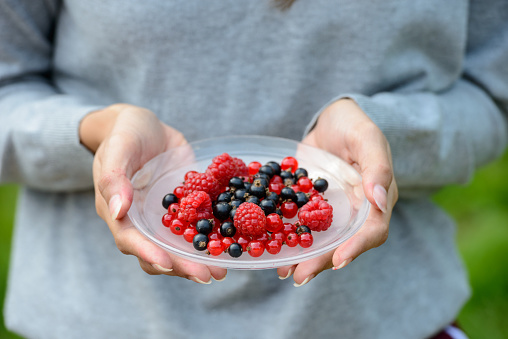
(96, 126)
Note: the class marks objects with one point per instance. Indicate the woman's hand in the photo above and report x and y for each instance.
(124, 138)
(346, 131)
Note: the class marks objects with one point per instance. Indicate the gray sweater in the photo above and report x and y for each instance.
(432, 74)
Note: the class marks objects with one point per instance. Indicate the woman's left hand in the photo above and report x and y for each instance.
(346, 131)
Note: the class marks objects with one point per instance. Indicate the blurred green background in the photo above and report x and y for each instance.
(481, 210)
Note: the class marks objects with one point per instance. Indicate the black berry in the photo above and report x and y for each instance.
(301, 199)
(302, 229)
(200, 241)
(320, 185)
(204, 226)
(268, 206)
(227, 229)
(236, 183)
(257, 190)
(221, 210)
(235, 250)
(275, 166)
(240, 194)
(253, 199)
(301, 172)
(287, 193)
(268, 170)
(168, 200)
(225, 197)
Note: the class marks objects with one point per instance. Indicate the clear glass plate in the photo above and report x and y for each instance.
(163, 173)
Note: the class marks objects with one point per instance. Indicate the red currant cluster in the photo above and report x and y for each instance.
(235, 208)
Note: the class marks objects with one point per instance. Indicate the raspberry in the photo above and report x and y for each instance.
(241, 168)
(202, 182)
(316, 214)
(250, 219)
(222, 168)
(195, 206)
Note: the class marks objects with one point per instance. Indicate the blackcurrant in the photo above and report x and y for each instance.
(235, 203)
(200, 241)
(227, 229)
(275, 166)
(169, 199)
(204, 226)
(287, 175)
(240, 194)
(253, 199)
(221, 210)
(268, 206)
(236, 183)
(301, 199)
(273, 196)
(301, 172)
(302, 229)
(320, 185)
(257, 190)
(287, 193)
(263, 181)
(268, 170)
(225, 197)
(235, 250)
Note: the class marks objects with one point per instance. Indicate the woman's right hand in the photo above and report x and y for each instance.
(123, 138)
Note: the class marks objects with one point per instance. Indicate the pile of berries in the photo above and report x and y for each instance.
(234, 208)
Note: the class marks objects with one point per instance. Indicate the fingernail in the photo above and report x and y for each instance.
(287, 275)
(115, 205)
(162, 269)
(199, 281)
(224, 278)
(309, 278)
(344, 263)
(379, 194)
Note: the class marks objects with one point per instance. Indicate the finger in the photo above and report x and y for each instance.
(308, 270)
(372, 234)
(285, 272)
(218, 273)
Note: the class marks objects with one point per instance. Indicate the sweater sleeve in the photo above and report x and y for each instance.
(442, 138)
(39, 140)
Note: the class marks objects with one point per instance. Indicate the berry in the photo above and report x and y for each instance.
(189, 175)
(276, 187)
(287, 175)
(289, 163)
(273, 246)
(189, 233)
(321, 185)
(292, 239)
(257, 190)
(302, 229)
(200, 242)
(288, 228)
(240, 194)
(222, 168)
(273, 222)
(287, 193)
(301, 172)
(215, 236)
(254, 167)
(235, 203)
(243, 241)
(279, 236)
(227, 229)
(179, 192)
(301, 199)
(256, 248)
(316, 214)
(167, 218)
(235, 250)
(262, 237)
(236, 183)
(304, 184)
(272, 196)
(305, 240)
(289, 209)
(173, 209)
(225, 197)
(204, 226)
(253, 199)
(197, 205)
(275, 166)
(241, 169)
(221, 210)
(202, 182)
(169, 199)
(268, 206)
(262, 179)
(226, 242)
(268, 170)
(250, 219)
(215, 247)
(177, 227)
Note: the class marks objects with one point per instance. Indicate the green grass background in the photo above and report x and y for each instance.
(481, 210)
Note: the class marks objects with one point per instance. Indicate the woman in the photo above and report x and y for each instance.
(426, 83)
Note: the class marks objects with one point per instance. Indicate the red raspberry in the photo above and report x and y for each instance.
(222, 168)
(241, 168)
(195, 206)
(202, 182)
(316, 214)
(250, 219)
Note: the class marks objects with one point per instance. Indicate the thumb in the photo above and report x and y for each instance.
(112, 175)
